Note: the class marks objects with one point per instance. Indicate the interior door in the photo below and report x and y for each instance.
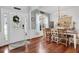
(16, 27)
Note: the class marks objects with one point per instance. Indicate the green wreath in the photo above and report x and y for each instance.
(16, 19)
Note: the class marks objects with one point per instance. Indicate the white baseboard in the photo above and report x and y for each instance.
(16, 45)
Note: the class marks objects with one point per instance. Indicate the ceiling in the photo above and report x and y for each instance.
(48, 9)
(23, 8)
(54, 9)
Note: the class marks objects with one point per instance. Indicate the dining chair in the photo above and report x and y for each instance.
(47, 34)
(54, 35)
(62, 34)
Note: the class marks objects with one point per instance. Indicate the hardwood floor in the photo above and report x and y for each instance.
(3, 49)
(18, 50)
(38, 45)
(33, 46)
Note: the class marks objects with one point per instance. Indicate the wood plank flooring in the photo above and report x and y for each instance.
(2, 49)
(38, 45)
(18, 50)
(49, 47)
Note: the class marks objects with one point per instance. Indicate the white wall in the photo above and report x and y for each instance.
(2, 38)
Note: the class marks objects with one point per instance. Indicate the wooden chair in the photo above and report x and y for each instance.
(71, 39)
(54, 35)
(62, 34)
(47, 34)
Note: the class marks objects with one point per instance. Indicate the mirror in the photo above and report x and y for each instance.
(39, 20)
(33, 20)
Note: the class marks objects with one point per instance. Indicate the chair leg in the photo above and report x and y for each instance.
(66, 43)
(69, 43)
(57, 41)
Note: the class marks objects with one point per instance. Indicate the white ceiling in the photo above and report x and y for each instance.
(23, 8)
(48, 9)
(53, 9)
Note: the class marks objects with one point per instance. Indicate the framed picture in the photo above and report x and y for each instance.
(51, 24)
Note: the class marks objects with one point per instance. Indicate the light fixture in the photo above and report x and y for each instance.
(17, 8)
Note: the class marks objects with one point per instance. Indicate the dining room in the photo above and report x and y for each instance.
(40, 29)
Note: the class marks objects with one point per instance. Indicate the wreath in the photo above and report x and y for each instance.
(16, 19)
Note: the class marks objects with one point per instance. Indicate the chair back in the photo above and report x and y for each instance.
(47, 32)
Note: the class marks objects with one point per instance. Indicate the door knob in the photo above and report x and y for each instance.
(23, 26)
